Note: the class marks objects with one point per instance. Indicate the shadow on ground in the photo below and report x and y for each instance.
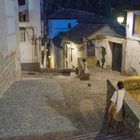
(84, 122)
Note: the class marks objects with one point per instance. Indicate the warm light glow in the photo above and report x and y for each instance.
(120, 19)
(68, 45)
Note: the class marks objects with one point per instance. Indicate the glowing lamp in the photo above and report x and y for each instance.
(68, 45)
(120, 20)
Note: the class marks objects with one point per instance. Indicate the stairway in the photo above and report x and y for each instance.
(100, 136)
(64, 71)
(69, 136)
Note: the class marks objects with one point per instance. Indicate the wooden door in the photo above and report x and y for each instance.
(116, 57)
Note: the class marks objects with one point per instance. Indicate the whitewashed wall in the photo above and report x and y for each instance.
(9, 48)
(58, 59)
(76, 53)
(54, 56)
(28, 47)
(108, 35)
(8, 26)
(130, 24)
(132, 55)
(27, 52)
(108, 57)
(34, 15)
(60, 25)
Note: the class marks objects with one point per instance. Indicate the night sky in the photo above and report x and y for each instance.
(110, 8)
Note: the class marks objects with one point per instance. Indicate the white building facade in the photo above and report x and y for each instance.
(30, 34)
(9, 46)
(132, 53)
(109, 48)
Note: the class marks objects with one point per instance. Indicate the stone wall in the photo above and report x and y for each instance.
(131, 111)
(9, 70)
(132, 63)
(9, 47)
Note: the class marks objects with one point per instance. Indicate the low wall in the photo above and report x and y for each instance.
(30, 66)
(58, 71)
(9, 70)
(91, 61)
(131, 111)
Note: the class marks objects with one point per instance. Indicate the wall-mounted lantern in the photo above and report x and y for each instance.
(120, 20)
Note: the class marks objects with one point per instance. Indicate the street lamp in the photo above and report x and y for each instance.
(120, 20)
(68, 45)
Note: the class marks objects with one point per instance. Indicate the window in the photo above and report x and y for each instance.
(136, 28)
(23, 16)
(69, 25)
(22, 35)
(21, 2)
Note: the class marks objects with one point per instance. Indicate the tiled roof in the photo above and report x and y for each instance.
(87, 17)
(81, 16)
(89, 23)
(78, 33)
(81, 31)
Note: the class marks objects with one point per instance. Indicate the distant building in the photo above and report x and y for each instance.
(132, 53)
(65, 19)
(9, 46)
(90, 35)
(89, 41)
(30, 34)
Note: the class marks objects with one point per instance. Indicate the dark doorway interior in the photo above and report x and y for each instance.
(90, 49)
(116, 57)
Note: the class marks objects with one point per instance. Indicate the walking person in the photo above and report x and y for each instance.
(115, 111)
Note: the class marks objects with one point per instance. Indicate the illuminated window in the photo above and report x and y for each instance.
(136, 28)
(22, 35)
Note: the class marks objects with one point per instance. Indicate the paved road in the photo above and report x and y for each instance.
(24, 109)
(43, 103)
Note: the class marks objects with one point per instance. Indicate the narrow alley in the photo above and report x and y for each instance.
(60, 62)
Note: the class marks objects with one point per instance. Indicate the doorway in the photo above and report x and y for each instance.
(116, 57)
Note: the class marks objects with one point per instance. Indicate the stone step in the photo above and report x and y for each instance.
(59, 70)
(99, 136)
(70, 136)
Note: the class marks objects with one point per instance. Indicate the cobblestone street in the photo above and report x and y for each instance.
(43, 103)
